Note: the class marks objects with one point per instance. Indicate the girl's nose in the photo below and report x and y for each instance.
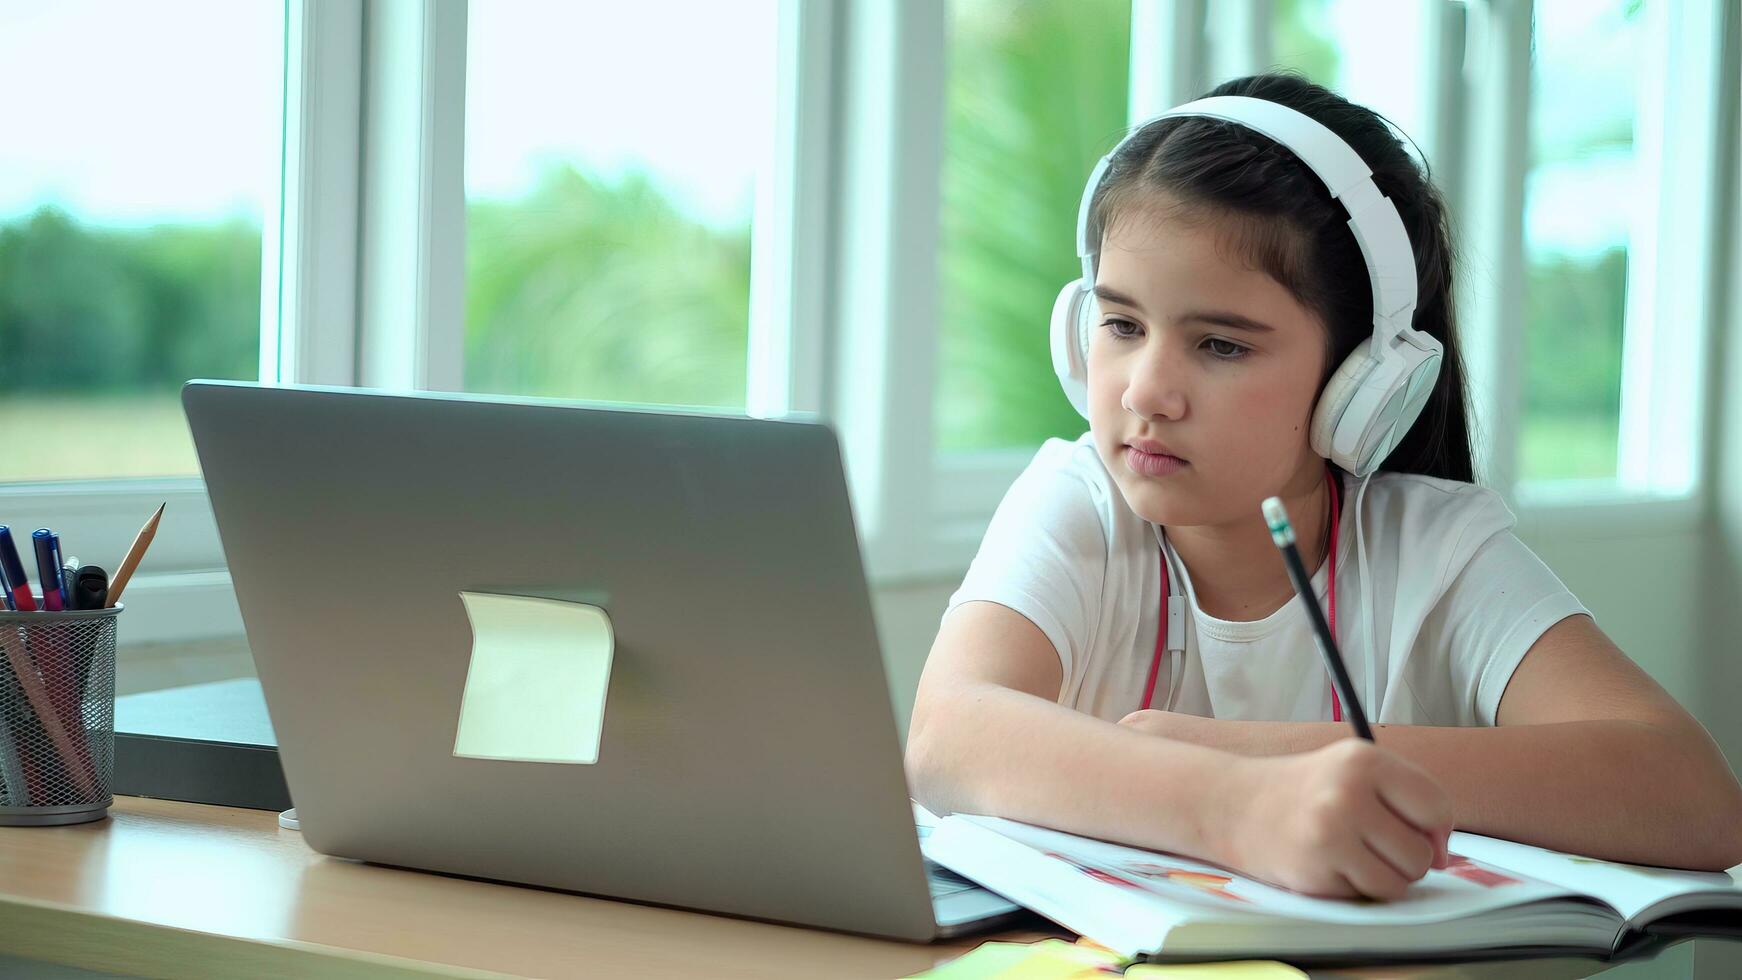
(1155, 388)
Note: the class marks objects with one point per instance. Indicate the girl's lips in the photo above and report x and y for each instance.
(1152, 464)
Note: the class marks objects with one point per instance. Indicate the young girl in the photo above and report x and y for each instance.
(1228, 287)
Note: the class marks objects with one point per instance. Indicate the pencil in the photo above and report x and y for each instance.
(1281, 532)
(141, 541)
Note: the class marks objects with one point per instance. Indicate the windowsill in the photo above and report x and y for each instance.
(1574, 506)
(146, 667)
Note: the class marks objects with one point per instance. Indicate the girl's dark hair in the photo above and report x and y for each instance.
(1286, 224)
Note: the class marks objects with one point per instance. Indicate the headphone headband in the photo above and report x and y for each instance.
(1373, 218)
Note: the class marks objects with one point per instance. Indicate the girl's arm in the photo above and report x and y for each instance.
(987, 736)
(1590, 756)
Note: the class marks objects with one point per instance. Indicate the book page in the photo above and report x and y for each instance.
(1467, 888)
(1627, 888)
(923, 818)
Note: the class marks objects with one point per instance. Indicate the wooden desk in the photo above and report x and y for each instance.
(164, 888)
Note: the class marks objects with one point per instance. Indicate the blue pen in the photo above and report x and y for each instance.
(48, 569)
(18, 584)
(6, 588)
(66, 584)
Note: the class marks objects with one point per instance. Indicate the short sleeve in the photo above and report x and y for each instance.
(1494, 610)
(1045, 553)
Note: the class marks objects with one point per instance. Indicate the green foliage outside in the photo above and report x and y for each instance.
(609, 292)
(1299, 41)
(1574, 311)
(582, 289)
(99, 327)
(111, 312)
(1037, 93)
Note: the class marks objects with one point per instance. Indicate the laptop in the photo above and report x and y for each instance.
(622, 652)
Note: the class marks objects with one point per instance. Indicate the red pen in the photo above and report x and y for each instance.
(15, 576)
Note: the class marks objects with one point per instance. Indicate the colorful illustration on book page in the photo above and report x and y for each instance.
(1105, 877)
(1474, 873)
(1203, 881)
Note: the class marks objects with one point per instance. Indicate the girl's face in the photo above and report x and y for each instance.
(1197, 355)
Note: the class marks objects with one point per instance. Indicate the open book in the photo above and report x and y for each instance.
(1497, 898)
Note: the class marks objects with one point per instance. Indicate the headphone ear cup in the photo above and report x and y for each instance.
(1087, 311)
(1370, 404)
(1071, 313)
(1334, 402)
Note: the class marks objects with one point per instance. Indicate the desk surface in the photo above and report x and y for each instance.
(164, 887)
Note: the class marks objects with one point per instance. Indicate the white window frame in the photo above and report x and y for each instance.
(790, 245)
(411, 266)
(308, 323)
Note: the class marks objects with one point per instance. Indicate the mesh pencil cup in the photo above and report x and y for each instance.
(57, 715)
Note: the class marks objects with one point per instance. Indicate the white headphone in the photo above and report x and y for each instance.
(1378, 392)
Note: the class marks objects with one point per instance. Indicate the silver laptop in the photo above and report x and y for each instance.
(621, 652)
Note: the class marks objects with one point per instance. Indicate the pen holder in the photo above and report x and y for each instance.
(57, 715)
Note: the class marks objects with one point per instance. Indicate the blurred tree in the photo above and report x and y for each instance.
(125, 310)
(1037, 93)
(1301, 40)
(1572, 346)
(605, 291)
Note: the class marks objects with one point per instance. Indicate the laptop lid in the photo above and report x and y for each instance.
(608, 650)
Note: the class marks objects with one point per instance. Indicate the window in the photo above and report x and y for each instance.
(609, 198)
(1036, 93)
(1585, 80)
(1369, 51)
(138, 162)
(863, 210)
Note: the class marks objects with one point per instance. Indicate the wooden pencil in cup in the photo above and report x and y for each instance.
(141, 541)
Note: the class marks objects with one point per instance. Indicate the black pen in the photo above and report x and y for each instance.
(89, 587)
(1282, 533)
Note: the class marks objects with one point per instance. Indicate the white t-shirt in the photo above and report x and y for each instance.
(1458, 602)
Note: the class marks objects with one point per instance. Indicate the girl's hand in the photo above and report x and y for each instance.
(1348, 820)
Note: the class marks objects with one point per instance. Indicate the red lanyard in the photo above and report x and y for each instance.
(1161, 631)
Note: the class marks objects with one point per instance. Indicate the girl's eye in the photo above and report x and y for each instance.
(1118, 328)
(1225, 350)
(1228, 351)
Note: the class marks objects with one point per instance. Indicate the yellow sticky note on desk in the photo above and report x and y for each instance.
(1052, 959)
(1055, 959)
(1234, 970)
